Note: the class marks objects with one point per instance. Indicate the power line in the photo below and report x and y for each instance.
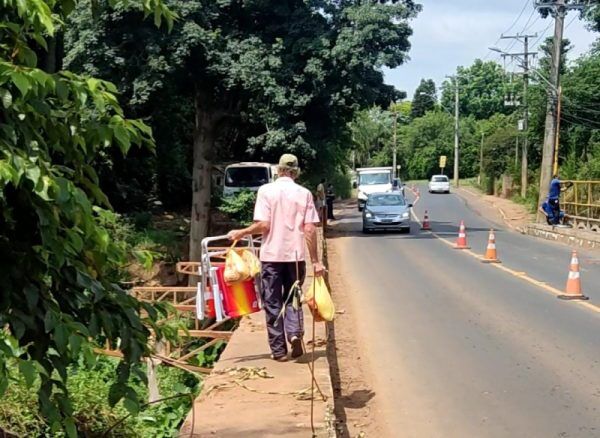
(571, 22)
(526, 3)
(581, 121)
(527, 25)
(542, 34)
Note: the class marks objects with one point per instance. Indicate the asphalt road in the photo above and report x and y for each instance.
(458, 348)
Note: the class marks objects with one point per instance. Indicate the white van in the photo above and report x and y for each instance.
(372, 180)
(247, 176)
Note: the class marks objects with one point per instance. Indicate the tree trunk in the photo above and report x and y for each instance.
(204, 138)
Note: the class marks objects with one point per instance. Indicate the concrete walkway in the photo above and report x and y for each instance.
(250, 395)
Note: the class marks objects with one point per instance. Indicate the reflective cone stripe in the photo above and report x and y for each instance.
(573, 289)
(426, 225)
(461, 242)
(491, 255)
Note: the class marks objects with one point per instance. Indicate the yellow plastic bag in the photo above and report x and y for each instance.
(319, 300)
(236, 269)
(252, 262)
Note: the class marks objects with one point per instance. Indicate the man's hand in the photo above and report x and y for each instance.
(319, 269)
(236, 235)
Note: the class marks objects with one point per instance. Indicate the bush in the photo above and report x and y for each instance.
(89, 389)
(239, 207)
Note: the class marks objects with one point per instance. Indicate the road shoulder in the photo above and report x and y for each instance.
(357, 411)
(503, 211)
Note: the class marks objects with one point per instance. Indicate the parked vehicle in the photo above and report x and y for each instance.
(439, 184)
(247, 176)
(372, 180)
(386, 211)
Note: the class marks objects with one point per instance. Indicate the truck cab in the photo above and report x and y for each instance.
(372, 180)
(247, 176)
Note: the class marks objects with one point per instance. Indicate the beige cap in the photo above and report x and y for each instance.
(289, 161)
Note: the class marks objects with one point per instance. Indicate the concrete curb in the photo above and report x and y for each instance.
(569, 236)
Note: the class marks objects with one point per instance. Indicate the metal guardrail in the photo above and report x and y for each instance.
(581, 202)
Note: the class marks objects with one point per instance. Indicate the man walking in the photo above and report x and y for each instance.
(285, 215)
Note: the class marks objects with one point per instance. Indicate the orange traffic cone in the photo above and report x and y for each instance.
(461, 242)
(491, 255)
(573, 290)
(426, 226)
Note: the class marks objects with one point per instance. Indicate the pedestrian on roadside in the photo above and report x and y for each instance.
(330, 196)
(320, 198)
(286, 217)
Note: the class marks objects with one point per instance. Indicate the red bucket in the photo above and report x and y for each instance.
(238, 299)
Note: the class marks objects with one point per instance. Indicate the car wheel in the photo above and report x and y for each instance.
(365, 230)
(447, 192)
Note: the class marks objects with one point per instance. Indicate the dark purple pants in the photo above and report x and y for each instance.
(277, 280)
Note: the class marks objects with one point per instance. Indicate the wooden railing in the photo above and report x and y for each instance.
(581, 202)
(183, 300)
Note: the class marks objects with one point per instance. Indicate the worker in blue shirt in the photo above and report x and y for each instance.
(554, 194)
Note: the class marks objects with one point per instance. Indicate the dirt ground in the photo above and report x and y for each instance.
(355, 406)
(515, 216)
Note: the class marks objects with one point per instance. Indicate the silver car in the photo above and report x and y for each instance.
(386, 211)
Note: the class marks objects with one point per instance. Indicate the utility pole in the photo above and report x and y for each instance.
(395, 145)
(456, 152)
(480, 177)
(524, 148)
(557, 142)
(454, 79)
(559, 10)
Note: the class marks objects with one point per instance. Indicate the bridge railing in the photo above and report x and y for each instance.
(581, 202)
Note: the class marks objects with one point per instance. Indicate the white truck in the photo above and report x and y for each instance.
(372, 180)
(247, 176)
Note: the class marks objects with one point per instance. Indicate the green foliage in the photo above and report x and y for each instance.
(91, 412)
(497, 151)
(239, 207)
(423, 141)
(60, 266)
(482, 88)
(425, 98)
(370, 129)
(239, 58)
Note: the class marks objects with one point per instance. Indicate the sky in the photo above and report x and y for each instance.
(452, 33)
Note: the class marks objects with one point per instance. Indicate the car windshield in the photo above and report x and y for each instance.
(385, 200)
(369, 179)
(246, 176)
(440, 179)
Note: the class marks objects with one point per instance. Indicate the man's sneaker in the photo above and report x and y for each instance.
(297, 349)
(280, 358)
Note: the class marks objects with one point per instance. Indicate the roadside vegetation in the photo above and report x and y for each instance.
(115, 110)
(490, 140)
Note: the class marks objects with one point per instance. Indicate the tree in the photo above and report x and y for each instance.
(425, 98)
(369, 130)
(482, 88)
(265, 77)
(59, 265)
